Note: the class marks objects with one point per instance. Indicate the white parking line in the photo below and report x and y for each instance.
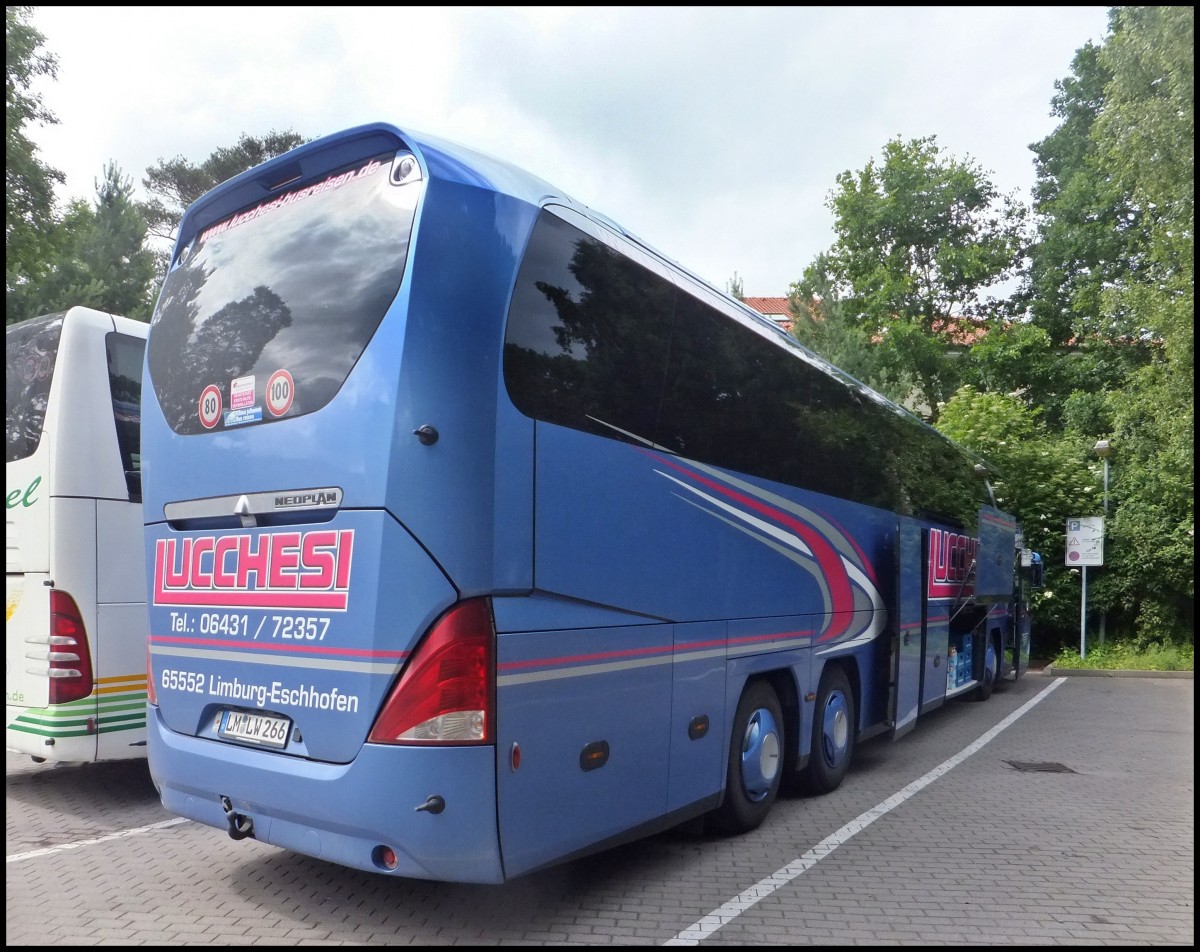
(51, 850)
(705, 927)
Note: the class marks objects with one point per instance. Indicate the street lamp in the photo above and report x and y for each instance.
(1103, 449)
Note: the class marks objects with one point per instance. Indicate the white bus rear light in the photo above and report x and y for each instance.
(446, 693)
(459, 726)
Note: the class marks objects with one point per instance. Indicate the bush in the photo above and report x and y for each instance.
(1122, 656)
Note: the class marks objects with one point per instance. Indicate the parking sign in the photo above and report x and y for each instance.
(1085, 541)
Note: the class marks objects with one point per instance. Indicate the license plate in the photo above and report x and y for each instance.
(266, 730)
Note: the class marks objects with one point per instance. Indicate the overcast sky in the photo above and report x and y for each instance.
(715, 134)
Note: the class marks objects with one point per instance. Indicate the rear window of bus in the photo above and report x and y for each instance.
(30, 349)
(125, 358)
(282, 294)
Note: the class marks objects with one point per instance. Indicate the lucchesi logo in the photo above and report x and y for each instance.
(292, 570)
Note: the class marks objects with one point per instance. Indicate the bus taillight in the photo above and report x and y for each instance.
(446, 695)
(70, 657)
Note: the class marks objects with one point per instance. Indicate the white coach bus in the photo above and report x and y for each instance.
(75, 580)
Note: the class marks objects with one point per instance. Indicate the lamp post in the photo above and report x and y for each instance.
(1102, 449)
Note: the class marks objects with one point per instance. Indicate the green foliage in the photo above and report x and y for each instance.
(1039, 477)
(920, 237)
(1120, 656)
(1112, 273)
(1147, 140)
(173, 184)
(1016, 359)
(28, 181)
(1149, 576)
(99, 259)
(1090, 230)
(1145, 137)
(1064, 384)
(826, 325)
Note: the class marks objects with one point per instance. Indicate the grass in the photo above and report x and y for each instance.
(1117, 656)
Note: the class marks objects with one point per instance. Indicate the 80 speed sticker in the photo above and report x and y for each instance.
(210, 406)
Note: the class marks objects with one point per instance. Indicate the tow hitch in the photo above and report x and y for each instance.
(240, 826)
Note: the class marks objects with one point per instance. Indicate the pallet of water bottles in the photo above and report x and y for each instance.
(959, 661)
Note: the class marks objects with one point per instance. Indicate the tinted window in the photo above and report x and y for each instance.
(30, 349)
(125, 355)
(267, 311)
(586, 343)
(598, 342)
(740, 400)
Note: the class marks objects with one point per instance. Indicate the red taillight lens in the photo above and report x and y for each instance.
(151, 691)
(446, 694)
(69, 656)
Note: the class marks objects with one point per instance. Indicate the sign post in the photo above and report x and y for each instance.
(1085, 546)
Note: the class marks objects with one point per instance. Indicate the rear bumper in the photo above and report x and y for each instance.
(56, 735)
(343, 812)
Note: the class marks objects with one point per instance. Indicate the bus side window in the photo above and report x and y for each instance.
(588, 335)
(125, 356)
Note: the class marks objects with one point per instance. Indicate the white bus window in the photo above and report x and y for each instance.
(29, 355)
(125, 357)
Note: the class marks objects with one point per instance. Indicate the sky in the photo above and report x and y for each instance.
(714, 134)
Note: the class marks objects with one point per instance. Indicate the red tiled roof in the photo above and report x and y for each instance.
(770, 306)
(960, 331)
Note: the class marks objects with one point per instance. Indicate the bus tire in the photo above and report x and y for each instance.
(991, 672)
(832, 733)
(755, 765)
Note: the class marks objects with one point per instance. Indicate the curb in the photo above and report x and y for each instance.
(1100, 673)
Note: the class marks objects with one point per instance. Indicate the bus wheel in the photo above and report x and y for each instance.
(833, 733)
(991, 671)
(755, 761)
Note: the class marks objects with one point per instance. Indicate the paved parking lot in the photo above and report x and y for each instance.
(1059, 812)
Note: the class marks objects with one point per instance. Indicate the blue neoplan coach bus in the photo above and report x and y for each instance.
(480, 535)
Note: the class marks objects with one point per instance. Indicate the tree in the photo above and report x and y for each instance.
(1145, 138)
(1112, 272)
(28, 181)
(733, 287)
(825, 324)
(175, 183)
(1040, 478)
(1090, 232)
(920, 238)
(1091, 236)
(99, 258)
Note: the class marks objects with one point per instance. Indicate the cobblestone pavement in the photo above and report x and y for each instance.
(1059, 812)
